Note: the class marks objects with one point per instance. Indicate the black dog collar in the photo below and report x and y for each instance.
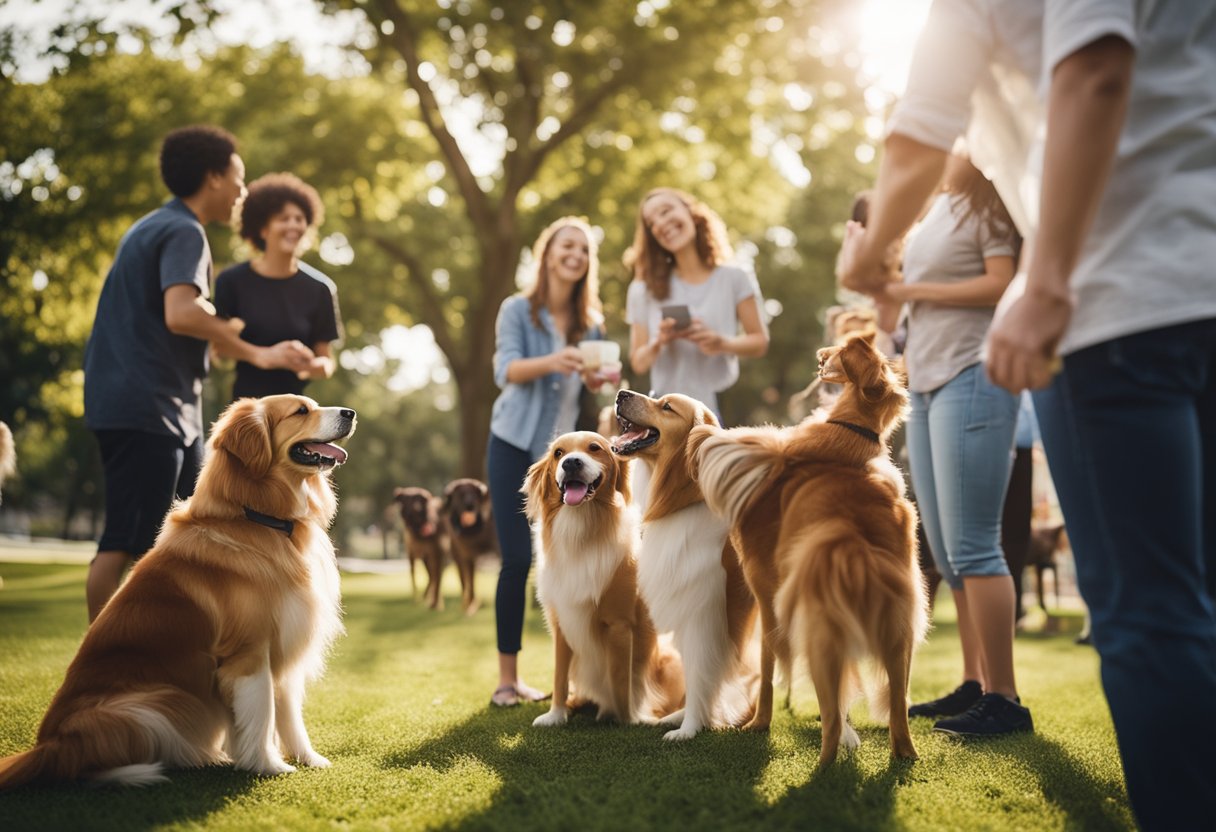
(857, 429)
(276, 523)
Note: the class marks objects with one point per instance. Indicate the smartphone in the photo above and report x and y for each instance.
(679, 312)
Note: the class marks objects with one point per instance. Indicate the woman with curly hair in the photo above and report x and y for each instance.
(678, 258)
(540, 370)
(276, 295)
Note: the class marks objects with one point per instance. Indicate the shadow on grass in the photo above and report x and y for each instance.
(187, 799)
(1086, 802)
(587, 775)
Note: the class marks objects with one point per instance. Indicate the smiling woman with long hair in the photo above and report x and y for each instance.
(679, 258)
(538, 365)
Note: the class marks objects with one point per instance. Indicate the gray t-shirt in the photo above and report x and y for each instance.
(944, 340)
(137, 374)
(681, 367)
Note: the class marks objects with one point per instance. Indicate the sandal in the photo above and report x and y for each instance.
(530, 694)
(505, 697)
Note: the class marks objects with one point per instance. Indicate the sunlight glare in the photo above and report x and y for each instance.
(889, 29)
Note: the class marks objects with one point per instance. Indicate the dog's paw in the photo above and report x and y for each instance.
(681, 734)
(673, 719)
(272, 767)
(313, 760)
(555, 717)
(848, 738)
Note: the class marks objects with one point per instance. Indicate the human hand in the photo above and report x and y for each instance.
(236, 325)
(708, 341)
(1023, 338)
(605, 374)
(566, 360)
(316, 368)
(669, 330)
(859, 269)
(285, 355)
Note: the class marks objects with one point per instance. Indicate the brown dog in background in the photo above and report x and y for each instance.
(426, 539)
(470, 528)
(827, 540)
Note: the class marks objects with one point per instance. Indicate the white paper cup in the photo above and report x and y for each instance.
(597, 353)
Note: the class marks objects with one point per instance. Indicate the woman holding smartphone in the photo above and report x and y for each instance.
(685, 306)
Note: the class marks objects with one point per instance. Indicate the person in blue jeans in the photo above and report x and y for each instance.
(1116, 332)
(539, 367)
(956, 265)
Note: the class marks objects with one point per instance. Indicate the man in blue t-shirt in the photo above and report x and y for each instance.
(147, 356)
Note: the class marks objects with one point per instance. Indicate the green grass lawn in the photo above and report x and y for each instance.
(403, 715)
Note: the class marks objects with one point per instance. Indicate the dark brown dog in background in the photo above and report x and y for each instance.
(1045, 542)
(426, 539)
(470, 527)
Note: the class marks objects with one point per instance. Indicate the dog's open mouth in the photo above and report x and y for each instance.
(633, 438)
(575, 491)
(315, 454)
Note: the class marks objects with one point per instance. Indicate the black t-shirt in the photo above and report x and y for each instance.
(137, 374)
(302, 307)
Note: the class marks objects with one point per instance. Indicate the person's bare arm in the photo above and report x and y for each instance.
(983, 290)
(188, 313)
(907, 176)
(643, 352)
(1087, 107)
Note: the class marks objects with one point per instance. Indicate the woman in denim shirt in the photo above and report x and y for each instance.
(540, 370)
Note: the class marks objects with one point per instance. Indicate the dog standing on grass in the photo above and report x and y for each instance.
(426, 539)
(827, 540)
(470, 526)
(201, 657)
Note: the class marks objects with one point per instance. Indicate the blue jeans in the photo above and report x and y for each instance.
(960, 448)
(1129, 427)
(506, 468)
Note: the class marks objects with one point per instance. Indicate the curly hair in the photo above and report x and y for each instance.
(188, 154)
(652, 264)
(586, 298)
(268, 195)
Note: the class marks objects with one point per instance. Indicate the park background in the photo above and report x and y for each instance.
(442, 136)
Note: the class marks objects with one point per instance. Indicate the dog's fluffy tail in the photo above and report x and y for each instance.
(838, 587)
(126, 740)
(734, 466)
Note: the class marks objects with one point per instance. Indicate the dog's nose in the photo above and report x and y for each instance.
(346, 413)
(622, 395)
(572, 464)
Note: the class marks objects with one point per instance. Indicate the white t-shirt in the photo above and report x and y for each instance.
(1148, 260)
(947, 247)
(681, 367)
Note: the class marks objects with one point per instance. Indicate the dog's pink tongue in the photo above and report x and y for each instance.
(325, 449)
(574, 493)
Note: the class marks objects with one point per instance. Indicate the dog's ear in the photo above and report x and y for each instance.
(623, 468)
(448, 491)
(705, 416)
(537, 484)
(242, 432)
(399, 495)
(864, 366)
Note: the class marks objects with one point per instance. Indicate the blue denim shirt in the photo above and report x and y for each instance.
(524, 414)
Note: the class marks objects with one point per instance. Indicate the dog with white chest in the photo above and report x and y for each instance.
(688, 570)
(606, 650)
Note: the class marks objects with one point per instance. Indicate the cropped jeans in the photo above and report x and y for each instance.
(960, 449)
(1129, 427)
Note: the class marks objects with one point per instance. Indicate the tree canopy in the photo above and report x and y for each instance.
(472, 126)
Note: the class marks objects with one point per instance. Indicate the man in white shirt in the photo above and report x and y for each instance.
(1121, 284)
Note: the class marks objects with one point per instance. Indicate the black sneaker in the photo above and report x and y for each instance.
(992, 716)
(953, 703)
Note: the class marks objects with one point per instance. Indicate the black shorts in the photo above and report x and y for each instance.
(144, 472)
